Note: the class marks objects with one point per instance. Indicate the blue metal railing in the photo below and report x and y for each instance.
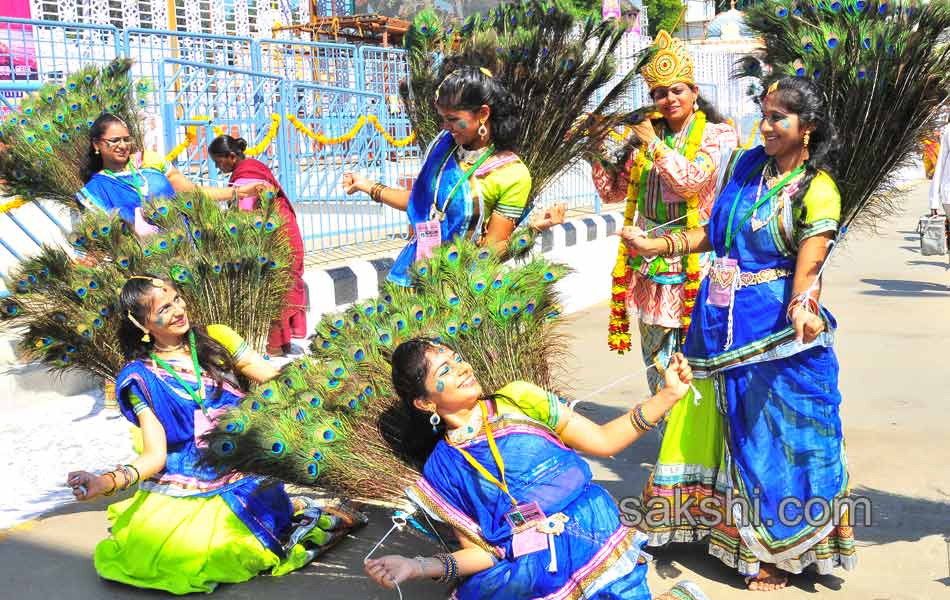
(240, 82)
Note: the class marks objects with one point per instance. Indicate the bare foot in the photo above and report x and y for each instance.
(770, 578)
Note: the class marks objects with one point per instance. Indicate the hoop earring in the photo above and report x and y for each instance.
(806, 138)
(482, 130)
(434, 420)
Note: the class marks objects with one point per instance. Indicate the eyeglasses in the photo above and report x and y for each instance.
(113, 142)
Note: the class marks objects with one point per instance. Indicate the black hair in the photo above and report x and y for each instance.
(468, 88)
(225, 145)
(802, 97)
(410, 368)
(214, 359)
(93, 162)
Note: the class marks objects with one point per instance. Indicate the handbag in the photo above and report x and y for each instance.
(933, 235)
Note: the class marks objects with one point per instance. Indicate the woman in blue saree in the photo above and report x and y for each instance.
(188, 528)
(503, 472)
(117, 178)
(472, 184)
(760, 333)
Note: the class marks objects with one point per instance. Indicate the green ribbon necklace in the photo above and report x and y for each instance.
(196, 393)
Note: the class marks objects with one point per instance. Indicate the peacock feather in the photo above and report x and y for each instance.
(556, 67)
(64, 309)
(337, 417)
(882, 71)
(46, 141)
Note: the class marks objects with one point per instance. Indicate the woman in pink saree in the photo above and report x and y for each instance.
(228, 156)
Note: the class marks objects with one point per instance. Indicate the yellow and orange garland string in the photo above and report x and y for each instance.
(352, 133)
(618, 329)
(191, 134)
(13, 204)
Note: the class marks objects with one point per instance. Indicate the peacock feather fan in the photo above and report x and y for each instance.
(63, 308)
(884, 75)
(556, 67)
(508, 330)
(47, 139)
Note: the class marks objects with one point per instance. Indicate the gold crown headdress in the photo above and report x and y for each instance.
(671, 63)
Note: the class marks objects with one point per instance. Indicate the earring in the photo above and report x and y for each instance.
(96, 151)
(806, 138)
(434, 420)
(695, 106)
(146, 338)
(482, 130)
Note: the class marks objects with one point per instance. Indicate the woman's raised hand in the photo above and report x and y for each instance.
(387, 571)
(354, 182)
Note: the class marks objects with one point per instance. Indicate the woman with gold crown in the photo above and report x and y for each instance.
(669, 182)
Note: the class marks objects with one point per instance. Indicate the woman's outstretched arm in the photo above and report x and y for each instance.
(584, 435)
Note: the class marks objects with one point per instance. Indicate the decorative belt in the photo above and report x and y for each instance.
(764, 276)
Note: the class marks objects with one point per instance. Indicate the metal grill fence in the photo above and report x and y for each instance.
(240, 82)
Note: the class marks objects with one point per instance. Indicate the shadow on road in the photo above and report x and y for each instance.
(905, 289)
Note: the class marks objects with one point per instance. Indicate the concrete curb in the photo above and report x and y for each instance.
(581, 243)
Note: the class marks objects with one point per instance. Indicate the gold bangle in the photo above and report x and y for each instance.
(114, 484)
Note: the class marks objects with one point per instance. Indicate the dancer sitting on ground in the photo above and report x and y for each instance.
(502, 470)
(188, 527)
(472, 184)
(228, 156)
(117, 178)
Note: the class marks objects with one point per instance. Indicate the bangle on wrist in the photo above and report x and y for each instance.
(639, 420)
(112, 491)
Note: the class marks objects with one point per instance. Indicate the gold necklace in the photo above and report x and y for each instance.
(177, 348)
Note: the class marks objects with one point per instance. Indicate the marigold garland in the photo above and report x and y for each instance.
(618, 330)
(13, 204)
(352, 133)
(191, 134)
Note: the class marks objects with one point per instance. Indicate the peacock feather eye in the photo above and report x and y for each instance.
(258, 224)
(329, 435)
(315, 402)
(81, 292)
(781, 12)
(359, 355)
(301, 415)
(277, 448)
(313, 469)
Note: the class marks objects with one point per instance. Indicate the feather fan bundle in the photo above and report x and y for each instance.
(332, 418)
(882, 71)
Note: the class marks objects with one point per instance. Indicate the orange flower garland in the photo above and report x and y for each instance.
(618, 329)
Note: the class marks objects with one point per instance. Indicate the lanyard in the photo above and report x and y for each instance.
(440, 212)
(502, 485)
(730, 232)
(194, 393)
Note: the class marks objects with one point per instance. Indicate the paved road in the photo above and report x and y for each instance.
(892, 306)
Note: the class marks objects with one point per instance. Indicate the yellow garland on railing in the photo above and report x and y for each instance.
(319, 137)
(392, 141)
(268, 139)
(352, 133)
(13, 204)
(191, 134)
(217, 129)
